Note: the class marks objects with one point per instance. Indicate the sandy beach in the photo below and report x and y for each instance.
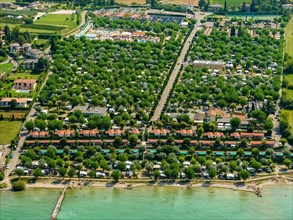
(250, 186)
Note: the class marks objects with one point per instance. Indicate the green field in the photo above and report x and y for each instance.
(289, 37)
(5, 68)
(23, 76)
(289, 94)
(230, 2)
(9, 130)
(289, 114)
(58, 20)
(289, 79)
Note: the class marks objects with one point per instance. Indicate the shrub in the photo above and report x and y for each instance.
(18, 185)
(2, 176)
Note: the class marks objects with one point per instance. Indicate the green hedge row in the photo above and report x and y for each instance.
(42, 27)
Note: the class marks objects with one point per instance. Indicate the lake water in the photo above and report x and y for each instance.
(149, 203)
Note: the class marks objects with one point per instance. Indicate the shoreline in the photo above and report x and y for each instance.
(250, 186)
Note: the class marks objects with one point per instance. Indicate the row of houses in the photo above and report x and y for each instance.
(209, 135)
(82, 133)
(152, 142)
(209, 143)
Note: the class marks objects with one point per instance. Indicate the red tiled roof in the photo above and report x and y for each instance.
(218, 134)
(134, 131)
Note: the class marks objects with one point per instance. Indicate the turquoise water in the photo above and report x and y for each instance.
(177, 203)
(32, 204)
(149, 203)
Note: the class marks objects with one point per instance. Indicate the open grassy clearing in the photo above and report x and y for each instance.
(58, 19)
(181, 2)
(288, 94)
(230, 2)
(289, 114)
(289, 37)
(23, 76)
(289, 79)
(9, 130)
(129, 2)
(7, 0)
(5, 68)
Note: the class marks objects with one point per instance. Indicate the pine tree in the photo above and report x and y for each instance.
(225, 5)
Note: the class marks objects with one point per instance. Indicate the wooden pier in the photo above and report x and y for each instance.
(58, 205)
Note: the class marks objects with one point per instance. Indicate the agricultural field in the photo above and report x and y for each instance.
(181, 2)
(289, 37)
(129, 2)
(289, 79)
(288, 94)
(9, 130)
(47, 24)
(59, 22)
(5, 68)
(23, 75)
(230, 2)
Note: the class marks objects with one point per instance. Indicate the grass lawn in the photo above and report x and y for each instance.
(58, 19)
(9, 130)
(182, 2)
(7, 0)
(289, 37)
(5, 68)
(289, 78)
(289, 113)
(230, 2)
(23, 76)
(128, 2)
(289, 94)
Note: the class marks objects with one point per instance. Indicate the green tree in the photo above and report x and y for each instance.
(92, 174)
(287, 162)
(29, 125)
(255, 152)
(189, 172)
(116, 174)
(37, 173)
(201, 160)
(132, 139)
(121, 165)
(13, 104)
(62, 171)
(156, 174)
(19, 185)
(212, 172)
(244, 174)
(19, 172)
(71, 172)
(235, 123)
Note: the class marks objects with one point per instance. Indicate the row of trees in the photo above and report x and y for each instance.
(15, 35)
(91, 160)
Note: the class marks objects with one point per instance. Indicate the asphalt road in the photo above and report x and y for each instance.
(176, 70)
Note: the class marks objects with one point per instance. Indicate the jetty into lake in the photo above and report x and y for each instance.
(58, 204)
